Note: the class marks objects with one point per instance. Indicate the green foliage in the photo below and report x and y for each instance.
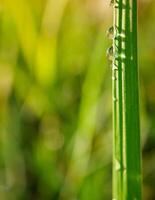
(55, 99)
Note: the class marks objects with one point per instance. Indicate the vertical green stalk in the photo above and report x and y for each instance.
(126, 150)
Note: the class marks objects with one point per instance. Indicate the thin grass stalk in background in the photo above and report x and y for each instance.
(127, 153)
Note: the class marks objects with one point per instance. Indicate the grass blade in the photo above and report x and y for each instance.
(127, 152)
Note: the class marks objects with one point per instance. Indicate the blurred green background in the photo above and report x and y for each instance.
(55, 99)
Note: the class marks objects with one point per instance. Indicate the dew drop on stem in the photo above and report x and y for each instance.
(110, 53)
(110, 32)
(114, 78)
(115, 99)
(117, 165)
(111, 2)
(115, 67)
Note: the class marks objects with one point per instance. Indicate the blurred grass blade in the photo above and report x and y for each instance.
(46, 54)
(82, 140)
(25, 25)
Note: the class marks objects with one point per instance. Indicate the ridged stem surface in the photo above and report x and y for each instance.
(127, 150)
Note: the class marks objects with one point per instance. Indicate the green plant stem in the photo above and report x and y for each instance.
(126, 151)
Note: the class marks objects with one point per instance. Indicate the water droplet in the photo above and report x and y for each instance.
(115, 99)
(111, 2)
(122, 35)
(117, 165)
(122, 56)
(110, 32)
(118, 5)
(115, 67)
(110, 53)
(114, 78)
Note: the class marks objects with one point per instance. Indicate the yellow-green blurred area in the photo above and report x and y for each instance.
(55, 99)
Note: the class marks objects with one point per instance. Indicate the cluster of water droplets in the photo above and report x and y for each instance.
(110, 50)
(112, 33)
(111, 55)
